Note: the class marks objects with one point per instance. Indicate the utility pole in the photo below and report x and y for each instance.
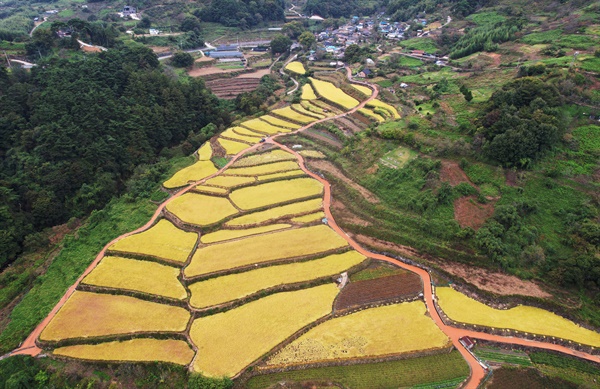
(7, 60)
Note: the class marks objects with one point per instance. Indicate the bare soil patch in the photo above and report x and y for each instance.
(199, 72)
(312, 133)
(330, 168)
(398, 286)
(257, 74)
(342, 213)
(452, 173)
(470, 213)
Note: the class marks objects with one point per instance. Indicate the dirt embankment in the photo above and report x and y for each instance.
(337, 173)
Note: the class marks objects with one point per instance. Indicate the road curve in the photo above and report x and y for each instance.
(29, 346)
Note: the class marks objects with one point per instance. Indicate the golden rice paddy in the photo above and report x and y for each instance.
(308, 93)
(387, 107)
(268, 157)
(299, 108)
(312, 154)
(228, 342)
(333, 94)
(263, 127)
(140, 276)
(366, 334)
(309, 218)
(278, 122)
(222, 235)
(205, 152)
(201, 210)
(264, 248)
(211, 190)
(246, 132)
(229, 133)
(532, 320)
(277, 212)
(312, 108)
(138, 350)
(296, 67)
(288, 174)
(289, 113)
(232, 147)
(363, 89)
(163, 240)
(263, 169)
(371, 115)
(88, 314)
(219, 290)
(195, 172)
(229, 181)
(257, 196)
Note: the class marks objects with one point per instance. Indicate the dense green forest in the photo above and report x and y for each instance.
(71, 133)
(242, 13)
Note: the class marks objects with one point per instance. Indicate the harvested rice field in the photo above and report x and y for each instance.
(308, 93)
(296, 67)
(219, 290)
(363, 89)
(232, 147)
(221, 235)
(278, 122)
(210, 190)
(288, 174)
(366, 334)
(275, 213)
(229, 133)
(228, 342)
(195, 172)
(88, 314)
(332, 93)
(205, 152)
(229, 181)
(522, 318)
(285, 244)
(309, 218)
(262, 158)
(263, 169)
(163, 240)
(140, 276)
(263, 127)
(312, 154)
(271, 193)
(289, 113)
(201, 210)
(380, 104)
(138, 350)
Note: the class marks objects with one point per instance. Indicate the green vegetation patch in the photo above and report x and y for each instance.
(409, 62)
(588, 138)
(398, 158)
(556, 37)
(403, 373)
(482, 18)
(430, 77)
(379, 271)
(425, 44)
(503, 356)
(591, 64)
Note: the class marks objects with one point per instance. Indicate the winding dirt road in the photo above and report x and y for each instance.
(29, 346)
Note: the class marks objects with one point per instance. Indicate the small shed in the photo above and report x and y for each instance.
(365, 73)
(467, 342)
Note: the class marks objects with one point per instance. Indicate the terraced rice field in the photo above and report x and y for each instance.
(309, 218)
(372, 115)
(219, 290)
(278, 122)
(271, 193)
(264, 248)
(289, 113)
(312, 154)
(299, 108)
(263, 169)
(222, 234)
(210, 190)
(205, 152)
(332, 93)
(195, 172)
(163, 240)
(363, 89)
(232, 147)
(264, 127)
(144, 350)
(230, 133)
(296, 67)
(201, 210)
(87, 315)
(366, 334)
(229, 181)
(308, 93)
(228, 342)
(289, 174)
(380, 104)
(246, 132)
(275, 213)
(268, 157)
(140, 276)
(527, 319)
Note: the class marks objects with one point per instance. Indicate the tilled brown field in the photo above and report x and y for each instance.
(229, 88)
(379, 290)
